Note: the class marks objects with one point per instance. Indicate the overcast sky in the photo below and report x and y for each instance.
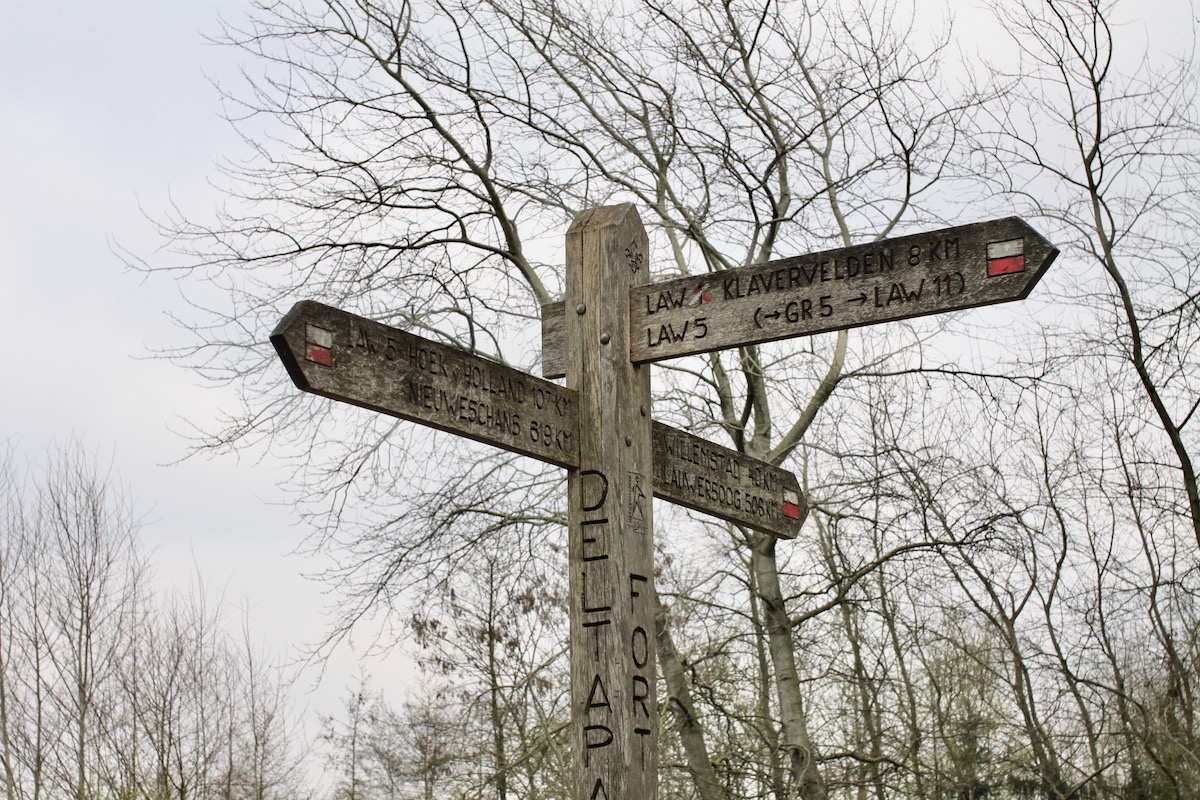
(109, 115)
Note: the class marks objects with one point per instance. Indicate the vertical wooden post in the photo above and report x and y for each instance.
(614, 718)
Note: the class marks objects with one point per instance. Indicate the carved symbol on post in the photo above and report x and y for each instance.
(637, 502)
(634, 254)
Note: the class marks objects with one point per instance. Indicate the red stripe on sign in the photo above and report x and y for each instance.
(1005, 266)
(318, 355)
(791, 510)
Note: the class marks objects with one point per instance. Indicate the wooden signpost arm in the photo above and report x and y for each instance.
(355, 360)
(614, 710)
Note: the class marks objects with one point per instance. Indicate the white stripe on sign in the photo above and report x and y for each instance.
(1013, 247)
(318, 336)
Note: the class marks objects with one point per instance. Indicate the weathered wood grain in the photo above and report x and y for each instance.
(554, 341)
(356, 360)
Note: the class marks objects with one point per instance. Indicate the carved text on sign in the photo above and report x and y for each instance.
(350, 358)
(600, 588)
(803, 290)
(693, 472)
(926, 273)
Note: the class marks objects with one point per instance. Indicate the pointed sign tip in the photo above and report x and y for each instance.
(283, 347)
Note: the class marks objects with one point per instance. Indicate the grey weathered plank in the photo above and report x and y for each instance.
(554, 341)
(397, 373)
(909, 276)
(614, 709)
(693, 472)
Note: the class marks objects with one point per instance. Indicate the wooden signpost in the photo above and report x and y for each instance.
(355, 360)
(611, 324)
(610, 553)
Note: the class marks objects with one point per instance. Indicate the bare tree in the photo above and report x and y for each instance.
(15, 551)
(1100, 141)
(414, 753)
(1102, 144)
(69, 565)
(103, 692)
(996, 590)
(429, 158)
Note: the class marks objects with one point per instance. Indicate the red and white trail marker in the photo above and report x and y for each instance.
(792, 505)
(1005, 258)
(318, 345)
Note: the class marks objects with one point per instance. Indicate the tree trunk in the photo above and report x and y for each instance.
(680, 705)
(807, 781)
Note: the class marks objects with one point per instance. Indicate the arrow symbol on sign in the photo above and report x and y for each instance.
(862, 298)
(758, 313)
